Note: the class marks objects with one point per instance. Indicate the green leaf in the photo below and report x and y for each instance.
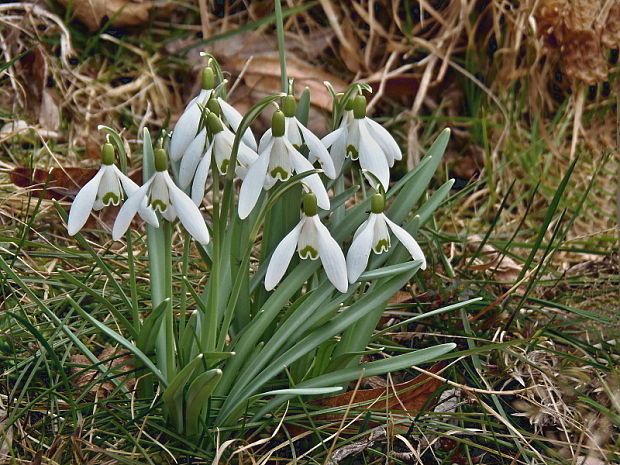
(378, 367)
(415, 183)
(150, 328)
(122, 341)
(197, 397)
(301, 392)
(389, 271)
(173, 395)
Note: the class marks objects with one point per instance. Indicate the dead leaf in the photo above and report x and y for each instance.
(6, 437)
(93, 13)
(412, 400)
(57, 183)
(263, 74)
(502, 267)
(120, 362)
(49, 112)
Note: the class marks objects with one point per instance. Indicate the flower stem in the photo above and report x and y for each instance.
(281, 48)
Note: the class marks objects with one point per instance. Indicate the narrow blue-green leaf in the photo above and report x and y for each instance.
(122, 341)
(301, 392)
(375, 368)
(389, 271)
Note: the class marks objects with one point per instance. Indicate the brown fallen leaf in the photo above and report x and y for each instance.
(262, 73)
(93, 13)
(57, 183)
(122, 362)
(390, 398)
(502, 267)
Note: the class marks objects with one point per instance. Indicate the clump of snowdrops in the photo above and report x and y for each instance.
(298, 273)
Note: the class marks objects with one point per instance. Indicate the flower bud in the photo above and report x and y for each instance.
(214, 106)
(309, 204)
(107, 154)
(208, 78)
(214, 124)
(289, 106)
(277, 124)
(377, 203)
(161, 160)
(359, 107)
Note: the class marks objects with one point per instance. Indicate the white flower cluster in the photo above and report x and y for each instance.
(205, 134)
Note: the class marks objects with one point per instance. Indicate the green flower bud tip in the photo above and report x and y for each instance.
(214, 124)
(214, 106)
(277, 124)
(107, 154)
(289, 106)
(377, 203)
(208, 78)
(309, 204)
(161, 160)
(359, 107)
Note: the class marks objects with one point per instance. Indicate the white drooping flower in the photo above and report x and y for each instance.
(367, 140)
(277, 161)
(373, 234)
(195, 164)
(312, 240)
(163, 195)
(299, 135)
(186, 131)
(107, 187)
(337, 141)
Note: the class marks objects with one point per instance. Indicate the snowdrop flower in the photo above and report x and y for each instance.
(337, 140)
(162, 194)
(187, 126)
(197, 168)
(373, 235)
(367, 140)
(312, 240)
(105, 188)
(186, 130)
(298, 135)
(277, 161)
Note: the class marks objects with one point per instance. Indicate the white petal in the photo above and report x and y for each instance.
(253, 185)
(146, 213)
(202, 97)
(169, 214)
(233, 117)
(332, 257)
(292, 132)
(188, 212)
(338, 152)
(313, 182)
(265, 139)
(129, 209)
(373, 159)
(358, 253)
(185, 131)
(331, 138)
(385, 140)
(200, 178)
(409, 242)
(128, 185)
(282, 257)
(191, 158)
(318, 151)
(83, 203)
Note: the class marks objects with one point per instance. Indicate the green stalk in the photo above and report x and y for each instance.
(184, 267)
(281, 49)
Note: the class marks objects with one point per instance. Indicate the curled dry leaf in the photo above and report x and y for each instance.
(93, 13)
(117, 362)
(502, 267)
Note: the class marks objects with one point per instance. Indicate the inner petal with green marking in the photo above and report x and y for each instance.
(111, 198)
(382, 245)
(309, 252)
(157, 204)
(279, 173)
(352, 152)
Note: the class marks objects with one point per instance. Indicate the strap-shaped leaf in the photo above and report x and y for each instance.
(375, 368)
(197, 396)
